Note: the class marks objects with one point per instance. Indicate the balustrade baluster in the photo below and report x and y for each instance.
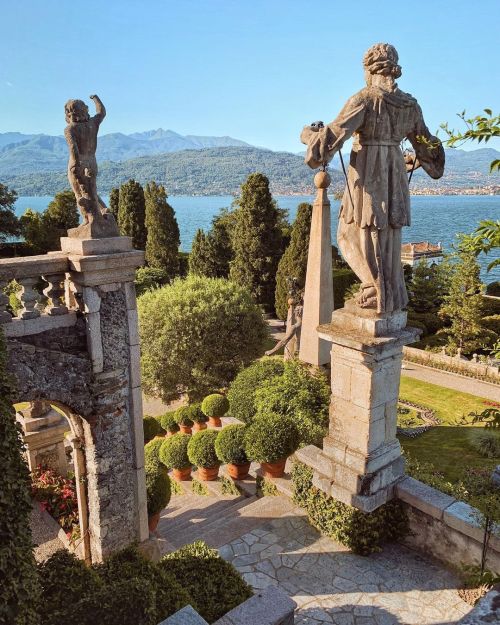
(5, 315)
(55, 294)
(29, 298)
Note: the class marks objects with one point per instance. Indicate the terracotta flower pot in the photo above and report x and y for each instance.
(169, 434)
(208, 474)
(185, 429)
(197, 427)
(215, 422)
(273, 469)
(238, 471)
(153, 521)
(182, 475)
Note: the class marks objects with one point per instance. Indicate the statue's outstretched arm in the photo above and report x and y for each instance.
(286, 339)
(100, 109)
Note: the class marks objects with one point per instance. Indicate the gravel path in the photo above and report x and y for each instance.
(44, 535)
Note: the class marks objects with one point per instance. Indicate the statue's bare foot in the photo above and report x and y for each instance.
(367, 298)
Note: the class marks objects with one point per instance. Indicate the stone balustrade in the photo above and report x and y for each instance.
(48, 271)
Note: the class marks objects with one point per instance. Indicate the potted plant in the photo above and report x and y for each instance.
(198, 418)
(270, 439)
(169, 424)
(158, 490)
(215, 406)
(183, 419)
(151, 427)
(173, 454)
(201, 453)
(230, 449)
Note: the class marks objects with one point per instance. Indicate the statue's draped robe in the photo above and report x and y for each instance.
(376, 202)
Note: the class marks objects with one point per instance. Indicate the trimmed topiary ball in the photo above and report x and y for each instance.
(230, 445)
(173, 452)
(197, 414)
(152, 449)
(168, 422)
(183, 416)
(271, 438)
(201, 449)
(152, 428)
(215, 405)
(158, 488)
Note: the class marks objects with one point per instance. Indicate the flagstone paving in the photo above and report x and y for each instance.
(332, 586)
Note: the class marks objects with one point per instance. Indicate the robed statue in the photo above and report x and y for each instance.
(376, 202)
(81, 137)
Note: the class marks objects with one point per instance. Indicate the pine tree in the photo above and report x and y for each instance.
(131, 213)
(114, 200)
(163, 239)
(428, 285)
(257, 241)
(293, 263)
(463, 304)
(19, 588)
(9, 224)
(212, 252)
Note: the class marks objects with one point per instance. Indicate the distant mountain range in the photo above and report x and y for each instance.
(199, 165)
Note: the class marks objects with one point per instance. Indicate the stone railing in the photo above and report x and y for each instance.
(53, 309)
(454, 364)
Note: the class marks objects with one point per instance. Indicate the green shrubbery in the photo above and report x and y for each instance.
(173, 452)
(363, 533)
(213, 583)
(241, 393)
(168, 422)
(157, 485)
(230, 444)
(486, 441)
(152, 428)
(197, 414)
(215, 405)
(152, 449)
(183, 416)
(201, 449)
(271, 438)
(299, 394)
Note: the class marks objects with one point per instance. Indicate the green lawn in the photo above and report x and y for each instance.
(447, 446)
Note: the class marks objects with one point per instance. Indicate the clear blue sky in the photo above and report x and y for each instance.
(257, 70)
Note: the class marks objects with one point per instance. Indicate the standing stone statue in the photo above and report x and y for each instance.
(291, 340)
(376, 201)
(81, 136)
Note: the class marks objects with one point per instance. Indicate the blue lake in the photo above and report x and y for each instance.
(435, 218)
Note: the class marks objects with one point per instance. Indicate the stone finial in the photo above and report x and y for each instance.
(322, 180)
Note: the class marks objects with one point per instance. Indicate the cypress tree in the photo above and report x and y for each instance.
(131, 213)
(114, 199)
(212, 252)
(200, 259)
(19, 588)
(163, 238)
(293, 263)
(257, 241)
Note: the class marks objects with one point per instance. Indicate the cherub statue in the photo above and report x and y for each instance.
(81, 137)
(376, 201)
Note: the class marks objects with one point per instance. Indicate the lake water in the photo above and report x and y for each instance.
(435, 218)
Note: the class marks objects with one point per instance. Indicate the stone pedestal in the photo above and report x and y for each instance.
(44, 432)
(318, 294)
(361, 458)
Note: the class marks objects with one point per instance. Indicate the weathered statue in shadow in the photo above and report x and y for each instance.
(81, 137)
(376, 202)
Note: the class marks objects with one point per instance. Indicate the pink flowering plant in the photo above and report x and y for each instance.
(57, 495)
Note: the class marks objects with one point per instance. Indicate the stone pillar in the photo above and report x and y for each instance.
(44, 432)
(102, 273)
(361, 458)
(318, 295)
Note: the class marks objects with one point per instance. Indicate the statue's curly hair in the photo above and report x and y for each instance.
(76, 111)
(382, 58)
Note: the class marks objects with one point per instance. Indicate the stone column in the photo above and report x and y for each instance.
(102, 273)
(318, 295)
(361, 458)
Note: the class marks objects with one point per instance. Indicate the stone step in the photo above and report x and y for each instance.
(193, 507)
(196, 528)
(240, 521)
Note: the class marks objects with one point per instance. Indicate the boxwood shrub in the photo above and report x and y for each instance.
(230, 444)
(215, 405)
(197, 414)
(173, 452)
(271, 438)
(152, 449)
(201, 449)
(152, 428)
(168, 422)
(362, 533)
(214, 584)
(183, 416)
(157, 485)
(241, 394)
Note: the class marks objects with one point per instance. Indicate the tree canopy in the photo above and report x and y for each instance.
(9, 224)
(132, 213)
(163, 237)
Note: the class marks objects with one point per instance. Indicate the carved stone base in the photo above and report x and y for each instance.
(101, 228)
(361, 458)
(92, 247)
